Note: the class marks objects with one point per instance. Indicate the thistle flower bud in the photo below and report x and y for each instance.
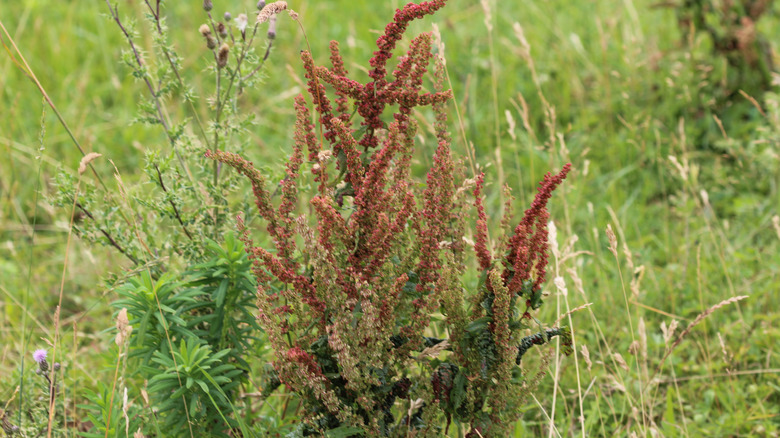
(260, 5)
(222, 30)
(7, 426)
(228, 17)
(205, 30)
(40, 357)
(207, 5)
(272, 28)
(222, 55)
(241, 23)
(56, 366)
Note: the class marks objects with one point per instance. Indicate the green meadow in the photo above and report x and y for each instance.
(674, 141)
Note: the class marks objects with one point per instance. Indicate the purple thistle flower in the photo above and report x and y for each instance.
(39, 355)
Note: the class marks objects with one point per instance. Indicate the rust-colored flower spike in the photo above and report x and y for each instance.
(394, 32)
(480, 246)
(342, 101)
(437, 199)
(317, 92)
(269, 10)
(410, 71)
(305, 137)
(282, 266)
(373, 97)
(528, 246)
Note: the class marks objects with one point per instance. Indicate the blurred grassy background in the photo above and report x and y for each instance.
(626, 90)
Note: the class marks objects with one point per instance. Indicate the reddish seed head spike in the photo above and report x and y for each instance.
(529, 241)
(480, 246)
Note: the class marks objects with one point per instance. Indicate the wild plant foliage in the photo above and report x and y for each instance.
(181, 203)
(192, 337)
(43, 386)
(349, 292)
(732, 28)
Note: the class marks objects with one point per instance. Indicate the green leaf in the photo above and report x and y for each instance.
(478, 324)
(458, 395)
(344, 431)
(669, 409)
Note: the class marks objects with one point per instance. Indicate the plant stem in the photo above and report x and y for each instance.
(156, 14)
(173, 204)
(155, 98)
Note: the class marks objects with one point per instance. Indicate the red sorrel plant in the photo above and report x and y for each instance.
(348, 305)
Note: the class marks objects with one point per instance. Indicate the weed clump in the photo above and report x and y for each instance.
(348, 293)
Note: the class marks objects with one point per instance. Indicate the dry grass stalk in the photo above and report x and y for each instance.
(703, 315)
(642, 338)
(432, 352)
(270, 10)
(578, 285)
(123, 327)
(438, 43)
(682, 168)
(620, 361)
(586, 355)
(90, 157)
(629, 257)
(668, 332)
(560, 284)
(726, 356)
(753, 101)
(414, 405)
(636, 280)
(693, 324)
(612, 240)
(576, 309)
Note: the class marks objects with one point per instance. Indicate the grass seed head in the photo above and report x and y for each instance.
(86, 160)
(270, 10)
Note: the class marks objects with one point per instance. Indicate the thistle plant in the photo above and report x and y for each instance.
(181, 203)
(349, 292)
(191, 303)
(44, 389)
